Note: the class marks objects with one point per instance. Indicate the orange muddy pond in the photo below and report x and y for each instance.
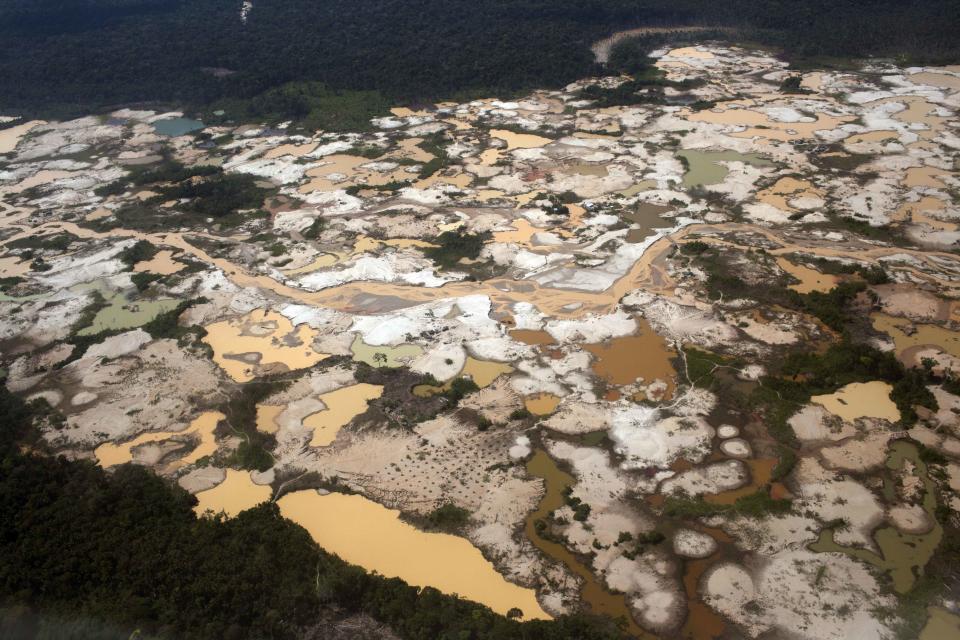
(374, 537)
(645, 355)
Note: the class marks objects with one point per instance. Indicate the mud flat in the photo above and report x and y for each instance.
(365, 533)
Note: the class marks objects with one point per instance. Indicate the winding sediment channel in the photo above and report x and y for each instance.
(592, 592)
(556, 302)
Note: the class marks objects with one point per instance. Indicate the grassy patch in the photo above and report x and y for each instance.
(701, 365)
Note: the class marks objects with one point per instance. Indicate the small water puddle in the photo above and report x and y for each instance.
(260, 341)
(482, 372)
(860, 400)
(121, 313)
(174, 127)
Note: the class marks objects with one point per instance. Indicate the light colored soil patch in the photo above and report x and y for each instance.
(693, 544)
(41, 178)
(787, 598)
(814, 423)
(710, 479)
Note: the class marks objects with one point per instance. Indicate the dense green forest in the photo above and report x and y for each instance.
(67, 56)
(95, 555)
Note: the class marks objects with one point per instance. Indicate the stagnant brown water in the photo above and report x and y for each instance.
(649, 217)
(902, 555)
(532, 337)
(646, 355)
(374, 537)
(760, 472)
(702, 622)
(593, 593)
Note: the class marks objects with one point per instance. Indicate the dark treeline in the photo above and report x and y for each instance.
(93, 555)
(70, 55)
